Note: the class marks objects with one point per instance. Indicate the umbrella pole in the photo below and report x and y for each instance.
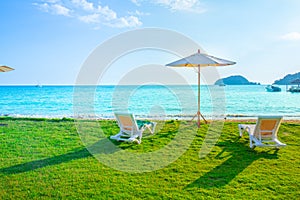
(198, 112)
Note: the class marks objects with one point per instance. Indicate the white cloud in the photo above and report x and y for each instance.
(175, 5)
(107, 13)
(54, 8)
(83, 4)
(138, 13)
(52, 1)
(89, 19)
(123, 22)
(291, 36)
(136, 2)
(89, 12)
(181, 5)
(60, 10)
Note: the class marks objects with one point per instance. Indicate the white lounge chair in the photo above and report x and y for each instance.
(264, 132)
(131, 130)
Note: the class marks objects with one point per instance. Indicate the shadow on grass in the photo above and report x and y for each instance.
(239, 156)
(98, 147)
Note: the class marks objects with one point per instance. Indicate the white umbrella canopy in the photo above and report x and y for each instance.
(200, 60)
(4, 68)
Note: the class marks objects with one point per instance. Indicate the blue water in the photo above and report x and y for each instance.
(156, 101)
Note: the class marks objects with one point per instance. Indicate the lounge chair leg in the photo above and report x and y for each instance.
(140, 137)
(117, 136)
(251, 144)
(153, 127)
(241, 130)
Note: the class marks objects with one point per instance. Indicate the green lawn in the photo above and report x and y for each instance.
(45, 158)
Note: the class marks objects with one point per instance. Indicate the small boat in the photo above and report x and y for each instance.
(38, 85)
(272, 88)
(294, 89)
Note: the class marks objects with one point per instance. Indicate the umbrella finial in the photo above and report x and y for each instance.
(198, 50)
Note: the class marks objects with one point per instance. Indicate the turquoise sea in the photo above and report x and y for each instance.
(156, 101)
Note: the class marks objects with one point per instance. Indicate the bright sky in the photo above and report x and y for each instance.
(47, 41)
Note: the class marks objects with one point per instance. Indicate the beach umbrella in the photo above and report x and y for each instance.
(4, 68)
(200, 60)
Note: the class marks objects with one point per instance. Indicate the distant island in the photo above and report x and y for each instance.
(288, 79)
(235, 80)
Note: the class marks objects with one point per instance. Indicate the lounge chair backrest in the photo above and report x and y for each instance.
(126, 121)
(267, 126)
